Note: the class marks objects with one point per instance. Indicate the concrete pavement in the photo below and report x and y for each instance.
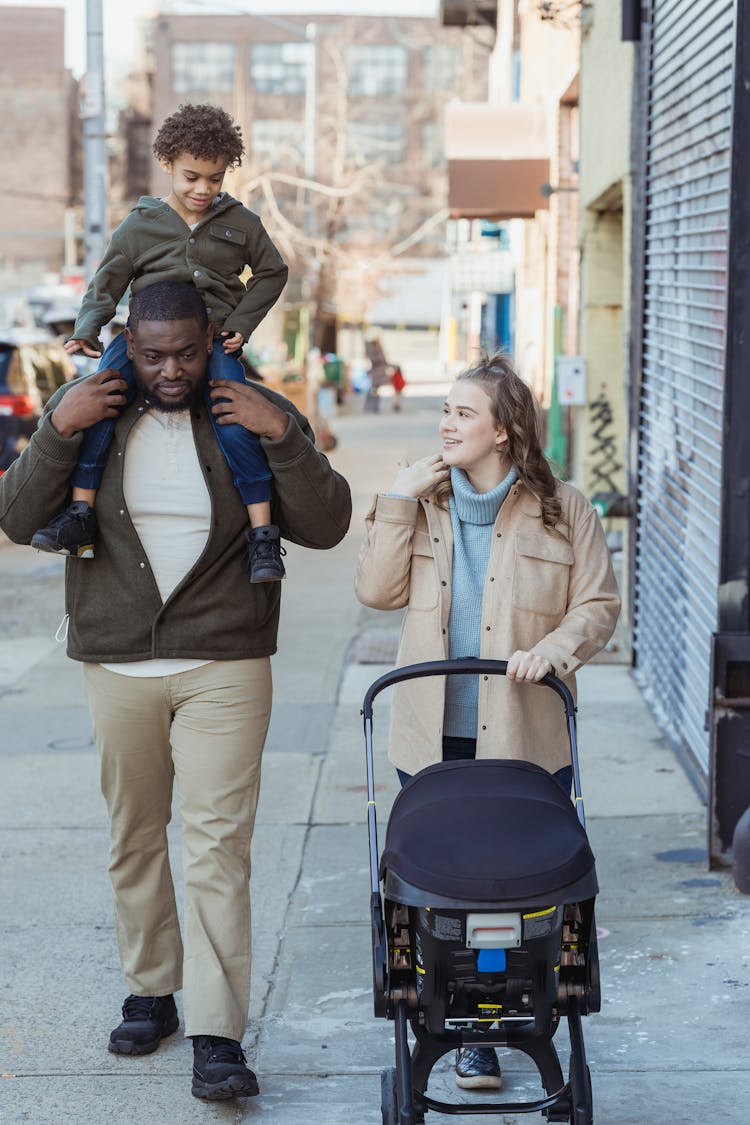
(670, 1042)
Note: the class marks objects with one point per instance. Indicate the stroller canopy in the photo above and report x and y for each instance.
(486, 831)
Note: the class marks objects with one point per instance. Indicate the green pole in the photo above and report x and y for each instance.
(557, 441)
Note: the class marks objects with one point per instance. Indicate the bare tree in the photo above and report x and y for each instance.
(380, 186)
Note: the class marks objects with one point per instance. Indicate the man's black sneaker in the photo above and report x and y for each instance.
(71, 533)
(477, 1068)
(264, 551)
(146, 1021)
(220, 1071)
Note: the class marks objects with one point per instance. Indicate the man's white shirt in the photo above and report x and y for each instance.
(169, 504)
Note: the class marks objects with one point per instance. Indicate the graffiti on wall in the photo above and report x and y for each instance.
(603, 464)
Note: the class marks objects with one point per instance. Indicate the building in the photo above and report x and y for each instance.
(513, 160)
(343, 122)
(40, 141)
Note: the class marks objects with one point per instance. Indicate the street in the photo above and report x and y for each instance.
(671, 1041)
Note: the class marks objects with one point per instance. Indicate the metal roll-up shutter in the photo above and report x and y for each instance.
(684, 330)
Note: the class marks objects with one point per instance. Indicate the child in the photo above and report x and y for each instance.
(202, 235)
(398, 383)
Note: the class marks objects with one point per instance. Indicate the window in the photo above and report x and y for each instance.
(441, 69)
(376, 140)
(377, 70)
(433, 152)
(203, 68)
(278, 138)
(280, 68)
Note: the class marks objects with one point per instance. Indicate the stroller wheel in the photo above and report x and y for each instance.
(389, 1096)
(582, 1107)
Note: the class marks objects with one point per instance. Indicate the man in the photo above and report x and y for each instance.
(175, 645)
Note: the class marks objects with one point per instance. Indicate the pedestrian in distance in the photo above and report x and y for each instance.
(378, 374)
(176, 648)
(398, 383)
(199, 234)
(492, 557)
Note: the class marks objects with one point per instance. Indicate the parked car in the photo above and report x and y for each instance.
(32, 367)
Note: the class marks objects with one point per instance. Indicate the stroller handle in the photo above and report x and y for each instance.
(466, 666)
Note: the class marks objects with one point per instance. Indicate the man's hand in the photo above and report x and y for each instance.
(239, 404)
(526, 667)
(99, 396)
(232, 343)
(421, 478)
(73, 346)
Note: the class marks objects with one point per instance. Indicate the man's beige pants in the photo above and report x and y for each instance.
(206, 728)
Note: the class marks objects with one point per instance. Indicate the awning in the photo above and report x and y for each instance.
(498, 159)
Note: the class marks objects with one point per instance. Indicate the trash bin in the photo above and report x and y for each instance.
(334, 369)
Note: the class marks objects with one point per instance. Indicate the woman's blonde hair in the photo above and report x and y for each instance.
(514, 408)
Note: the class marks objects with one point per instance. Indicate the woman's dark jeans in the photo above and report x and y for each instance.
(465, 749)
(242, 449)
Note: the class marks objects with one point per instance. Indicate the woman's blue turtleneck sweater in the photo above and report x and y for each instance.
(473, 515)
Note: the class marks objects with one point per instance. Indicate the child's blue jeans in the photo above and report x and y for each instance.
(241, 448)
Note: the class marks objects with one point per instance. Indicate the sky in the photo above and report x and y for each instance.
(120, 17)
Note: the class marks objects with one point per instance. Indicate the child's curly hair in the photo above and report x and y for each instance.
(204, 131)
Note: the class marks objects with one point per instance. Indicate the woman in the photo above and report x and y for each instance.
(492, 557)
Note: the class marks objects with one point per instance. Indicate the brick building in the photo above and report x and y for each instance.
(39, 141)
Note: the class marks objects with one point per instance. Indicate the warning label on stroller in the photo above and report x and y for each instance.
(444, 928)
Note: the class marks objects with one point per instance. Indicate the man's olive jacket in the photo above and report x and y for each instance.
(215, 613)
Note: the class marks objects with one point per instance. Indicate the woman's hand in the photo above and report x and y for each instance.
(527, 667)
(421, 478)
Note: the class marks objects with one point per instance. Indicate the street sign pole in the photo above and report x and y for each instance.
(94, 151)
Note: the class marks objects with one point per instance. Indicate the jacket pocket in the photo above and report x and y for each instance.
(228, 247)
(423, 588)
(541, 574)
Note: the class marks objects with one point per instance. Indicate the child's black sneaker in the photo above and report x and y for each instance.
(219, 1070)
(71, 533)
(264, 551)
(146, 1021)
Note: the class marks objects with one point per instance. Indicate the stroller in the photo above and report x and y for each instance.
(484, 933)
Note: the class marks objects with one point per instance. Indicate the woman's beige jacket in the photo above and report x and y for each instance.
(551, 592)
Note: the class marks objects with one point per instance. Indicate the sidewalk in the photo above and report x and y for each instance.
(670, 1043)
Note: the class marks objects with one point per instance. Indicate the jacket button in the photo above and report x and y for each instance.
(228, 233)
(142, 565)
(565, 665)
(122, 511)
(196, 273)
(484, 727)
(443, 583)
(492, 579)
(444, 631)
(436, 540)
(485, 677)
(191, 241)
(487, 627)
(499, 534)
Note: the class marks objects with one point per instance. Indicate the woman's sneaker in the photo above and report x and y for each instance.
(477, 1068)
(146, 1021)
(220, 1071)
(71, 533)
(263, 557)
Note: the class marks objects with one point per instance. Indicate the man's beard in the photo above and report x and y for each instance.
(172, 406)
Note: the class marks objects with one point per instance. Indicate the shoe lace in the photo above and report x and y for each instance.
(224, 1050)
(138, 1007)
